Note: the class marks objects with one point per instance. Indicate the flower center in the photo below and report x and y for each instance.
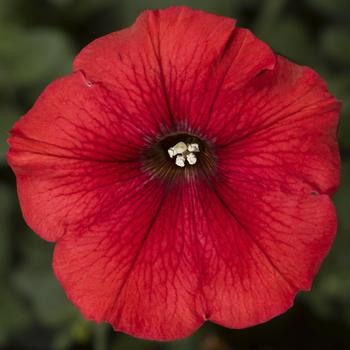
(179, 155)
(184, 153)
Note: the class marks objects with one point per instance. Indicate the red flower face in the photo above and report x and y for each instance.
(185, 172)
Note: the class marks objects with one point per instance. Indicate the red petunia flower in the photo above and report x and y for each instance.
(185, 172)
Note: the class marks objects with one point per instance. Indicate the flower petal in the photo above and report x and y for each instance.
(271, 248)
(71, 160)
(238, 261)
(278, 163)
(156, 259)
(179, 57)
(139, 269)
(282, 134)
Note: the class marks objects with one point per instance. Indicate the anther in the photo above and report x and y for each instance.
(180, 161)
(191, 158)
(179, 148)
(184, 152)
(193, 147)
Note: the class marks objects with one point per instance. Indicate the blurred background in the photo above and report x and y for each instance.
(38, 40)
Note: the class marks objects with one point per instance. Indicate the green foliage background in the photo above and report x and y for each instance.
(38, 40)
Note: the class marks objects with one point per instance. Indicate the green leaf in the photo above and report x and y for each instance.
(4, 10)
(47, 297)
(338, 9)
(268, 15)
(63, 340)
(78, 331)
(14, 315)
(126, 342)
(339, 85)
(32, 57)
(7, 201)
(223, 7)
(335, 44)
(344, 130)
(8, 115)
(290, 38)
(82, 7)
(35, 279)
(34, 250)
(341, 200)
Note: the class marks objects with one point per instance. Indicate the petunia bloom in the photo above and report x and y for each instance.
(184, 171)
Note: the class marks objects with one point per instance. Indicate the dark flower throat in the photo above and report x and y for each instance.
(158, 162)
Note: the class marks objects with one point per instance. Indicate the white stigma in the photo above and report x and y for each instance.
(184, 152)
